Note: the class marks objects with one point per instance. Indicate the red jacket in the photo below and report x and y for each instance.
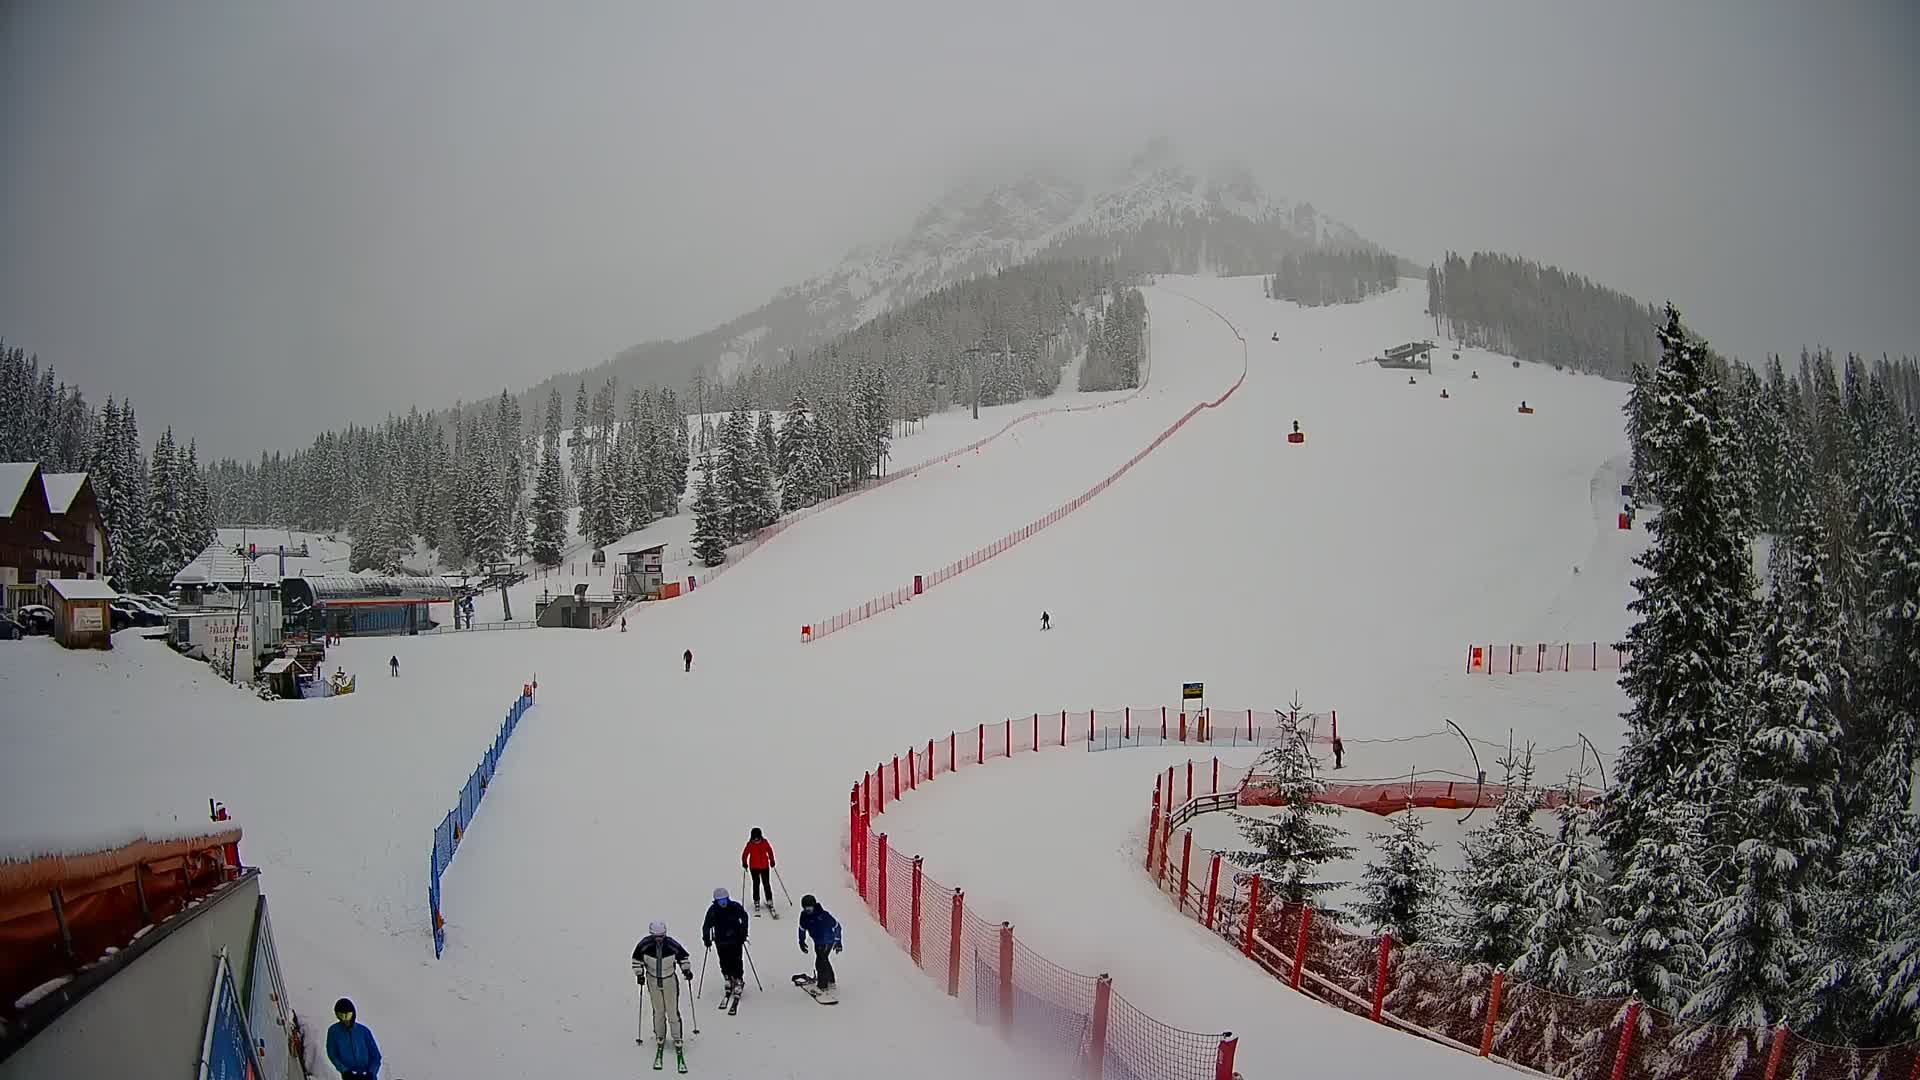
(758, 855)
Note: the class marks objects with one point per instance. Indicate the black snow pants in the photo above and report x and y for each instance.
(760, 881)
(731, 964)
(823, 967)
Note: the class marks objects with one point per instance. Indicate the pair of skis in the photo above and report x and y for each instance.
(773, 910)
(660, 1057)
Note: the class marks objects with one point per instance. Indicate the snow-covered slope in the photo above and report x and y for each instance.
(1352, 569)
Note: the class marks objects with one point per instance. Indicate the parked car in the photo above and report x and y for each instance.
(10, 630)
(35, 618)
(137, 612)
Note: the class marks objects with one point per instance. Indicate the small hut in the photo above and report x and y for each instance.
(82, 618)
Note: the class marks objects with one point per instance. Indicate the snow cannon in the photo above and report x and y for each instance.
(1526, 409)
(1296, 436)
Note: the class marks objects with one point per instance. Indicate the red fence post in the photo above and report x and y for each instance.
(1183, 725)
(1186, 861)
(953, 760)
(1216, 775)
(1063, 727)
(1097, 1036)
(1163, 723)
(882, 865)
(1126, 724)
(1253, 915)
(1189, 779)
(914, 949)
(866, 795)
(1213, 889)
(913, 771)
(1777, 1051)
(1493, 1012)
(953, 944)
(980, 755)
(1223, 1058)
(1153, 825)
(1036, 731)
(1625, 1052)
(1300, 946)
(1009, 736)
(1006, 977)
(1089, 727)
(1380, 977)
(880, 788)
(896, 777)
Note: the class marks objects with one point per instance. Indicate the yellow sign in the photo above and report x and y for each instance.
(1189, 691)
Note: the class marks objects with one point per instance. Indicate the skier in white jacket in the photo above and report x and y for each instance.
(659, 963)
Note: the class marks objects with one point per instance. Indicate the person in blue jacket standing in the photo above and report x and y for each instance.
(820, 925)
(350, 1046)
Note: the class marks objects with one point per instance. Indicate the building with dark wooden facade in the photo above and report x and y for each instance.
(51, 528)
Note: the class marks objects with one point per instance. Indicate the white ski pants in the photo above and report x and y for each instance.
(666, 1009)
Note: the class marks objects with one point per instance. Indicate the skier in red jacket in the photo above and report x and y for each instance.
(757, 858)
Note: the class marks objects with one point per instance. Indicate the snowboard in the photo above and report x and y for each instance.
(824, 997)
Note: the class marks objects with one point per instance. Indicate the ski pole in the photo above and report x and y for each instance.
(693, 1006)
(755, 970)
(703, 972)
(783, 886)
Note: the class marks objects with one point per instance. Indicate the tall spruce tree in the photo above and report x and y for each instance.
(1291, 845)
(549, 512)
(709, 520)
(1686, 672)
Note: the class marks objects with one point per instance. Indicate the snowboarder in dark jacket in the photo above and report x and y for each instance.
(726, 930)
(688, 657)
(350, 1046)
(820, 925)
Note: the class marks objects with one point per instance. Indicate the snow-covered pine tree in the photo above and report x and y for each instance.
(395, 531)
(1402, 884)
(636, 506)
(1565, 902)
(709, 520)
(601, 519)
(1655, 927)
(126, 530)
(1290, 845)
(163, 537)
(1686, 673)
(1896, 969)
(679, 447)
(763, 431)
(1490, 914)
(577, 441)
(549, 512)
(1758, 943)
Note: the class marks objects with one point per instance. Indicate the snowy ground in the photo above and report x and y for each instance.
(1353, 569)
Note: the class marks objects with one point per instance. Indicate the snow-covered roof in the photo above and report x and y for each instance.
(276, 667)
(82, 589)
(61, 488)
(14, 476)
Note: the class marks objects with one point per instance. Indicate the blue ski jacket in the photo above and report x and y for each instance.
(821, 926)
(352, 1049)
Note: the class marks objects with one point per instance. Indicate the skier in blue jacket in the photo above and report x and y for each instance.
(819, 924)
(350, 1046)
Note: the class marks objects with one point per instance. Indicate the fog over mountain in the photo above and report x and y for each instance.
(348, 208)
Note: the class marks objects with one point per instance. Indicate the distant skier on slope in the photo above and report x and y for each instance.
(757, 859)
(654, 962)
(726, 930)
(688, 657)
(393, 666)
(1046, 621)
(820, 925)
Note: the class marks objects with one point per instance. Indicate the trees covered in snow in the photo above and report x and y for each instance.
(1402, 885)
(1291, 845)
(1116, 343)
(1489, 912)
(1316, 278)
(1653, 946)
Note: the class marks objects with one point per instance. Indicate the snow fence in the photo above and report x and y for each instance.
(453, 827)
(1545, 656)
(1474, 1009)
(1077, 1020)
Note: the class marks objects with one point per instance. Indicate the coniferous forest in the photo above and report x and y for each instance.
(485, 483)
(1316, 278)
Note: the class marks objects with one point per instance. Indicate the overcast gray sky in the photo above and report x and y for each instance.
(259, 220)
